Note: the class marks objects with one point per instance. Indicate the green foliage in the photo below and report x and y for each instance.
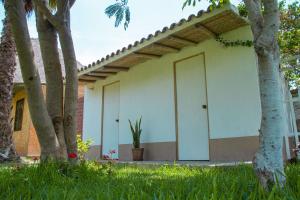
(289, 40)
(121, 12)
(219, 3)
(83, 147)
(136, 132)
(189, 2)
(288, 36)
(91, 181)
(242, 10)
(228, 43)
(53, 4)
(213, 3)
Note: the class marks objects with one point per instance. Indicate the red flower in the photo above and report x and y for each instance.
(112, 151)
(105, 157)
(72, 155)
(35, 158)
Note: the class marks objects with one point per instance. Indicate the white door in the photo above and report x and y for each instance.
(192, 109)
(111, 119)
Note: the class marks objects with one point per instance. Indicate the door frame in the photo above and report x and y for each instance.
(176, 103)
(102, 114)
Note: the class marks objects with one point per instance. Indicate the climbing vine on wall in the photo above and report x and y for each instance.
(235, 43)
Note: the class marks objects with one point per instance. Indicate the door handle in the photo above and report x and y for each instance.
(117, 120)
(204, 106)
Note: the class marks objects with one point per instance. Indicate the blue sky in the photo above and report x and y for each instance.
(94, 33)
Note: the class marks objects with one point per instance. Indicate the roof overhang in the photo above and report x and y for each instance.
(196, 29)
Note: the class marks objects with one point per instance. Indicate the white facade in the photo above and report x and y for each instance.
(147, 90)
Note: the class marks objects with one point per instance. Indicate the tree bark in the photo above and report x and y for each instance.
(37, 106)
(61, 22)
(71, 90)
(268, 161)
(54, 92)
(7, 70)
(71, 86)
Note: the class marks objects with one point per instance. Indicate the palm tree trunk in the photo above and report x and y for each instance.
(7, 70)
(37, 106)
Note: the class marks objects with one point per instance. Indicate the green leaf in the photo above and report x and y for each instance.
(121, 12)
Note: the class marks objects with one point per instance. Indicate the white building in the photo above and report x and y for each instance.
(198, 100)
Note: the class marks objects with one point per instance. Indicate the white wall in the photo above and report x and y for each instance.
(148, 90)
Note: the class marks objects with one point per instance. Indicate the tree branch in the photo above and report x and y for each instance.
(255, 16)
(63, 6)
(271, 22)
(41, 6)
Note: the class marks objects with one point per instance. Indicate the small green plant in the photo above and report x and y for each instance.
(83, 147)
(108, 166)
(136, 132)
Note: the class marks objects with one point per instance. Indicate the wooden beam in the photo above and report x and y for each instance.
(110, 68)
(95, 76)
(146, 55)
(85, 80)
(91, 77)
(101, 74)
(206, 30)
(166, 47)
(104, 74)
(182, 40)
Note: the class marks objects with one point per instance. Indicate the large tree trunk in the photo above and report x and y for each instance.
(37, 106)
(71, 88)
(54, 92)
(7, 70)
(268, 161)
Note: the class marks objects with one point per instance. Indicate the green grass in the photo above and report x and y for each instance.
(94, 181)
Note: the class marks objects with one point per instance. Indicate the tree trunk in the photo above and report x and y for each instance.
(54, 92)
(37, 106)
(268, 161)
(71, 88)
(7, 70)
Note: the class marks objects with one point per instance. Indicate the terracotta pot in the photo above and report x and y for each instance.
(138, 154)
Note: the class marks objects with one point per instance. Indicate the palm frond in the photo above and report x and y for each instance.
(112, 9)
(119, 16)
(120, 11)
(127, 18)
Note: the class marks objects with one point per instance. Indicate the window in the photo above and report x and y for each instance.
(19, 115)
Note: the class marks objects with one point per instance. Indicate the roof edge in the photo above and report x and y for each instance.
(160, 34)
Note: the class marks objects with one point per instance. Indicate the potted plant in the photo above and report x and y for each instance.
(137, 151)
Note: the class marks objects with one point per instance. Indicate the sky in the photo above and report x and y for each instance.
(95, 36)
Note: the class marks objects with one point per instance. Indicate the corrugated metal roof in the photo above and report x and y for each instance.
(191, 31)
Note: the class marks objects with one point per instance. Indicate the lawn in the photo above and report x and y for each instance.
(95, 181)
